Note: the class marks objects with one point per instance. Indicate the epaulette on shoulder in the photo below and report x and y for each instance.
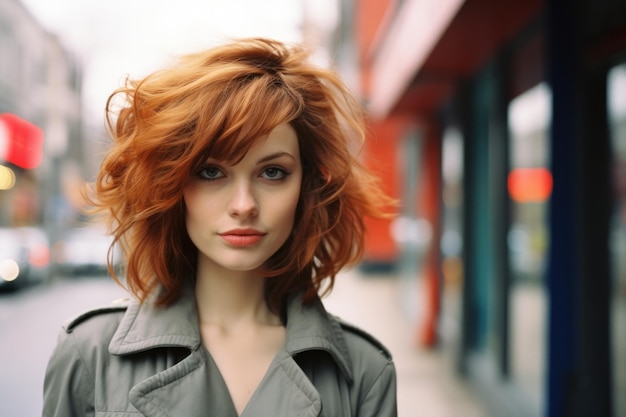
(364, 335)
(115, 306)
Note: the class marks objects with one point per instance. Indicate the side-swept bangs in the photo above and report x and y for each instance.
(250, 108)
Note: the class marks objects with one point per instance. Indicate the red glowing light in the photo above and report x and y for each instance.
(528, 185)
(24, 141)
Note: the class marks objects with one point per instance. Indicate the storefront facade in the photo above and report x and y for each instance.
(509, 131)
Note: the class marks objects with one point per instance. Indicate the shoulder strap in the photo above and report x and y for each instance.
(364, 335)
(115, 306)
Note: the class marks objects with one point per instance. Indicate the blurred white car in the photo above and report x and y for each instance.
(24, 257)
(83, 251)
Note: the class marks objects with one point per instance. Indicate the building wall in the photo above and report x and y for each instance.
(40, 82)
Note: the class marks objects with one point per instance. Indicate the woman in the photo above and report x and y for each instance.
(234, 194)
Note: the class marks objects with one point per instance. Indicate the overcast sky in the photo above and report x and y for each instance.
(135, 37)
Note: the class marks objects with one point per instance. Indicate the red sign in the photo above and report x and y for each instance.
(23, 141)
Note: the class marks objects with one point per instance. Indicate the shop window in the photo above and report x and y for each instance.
(529, 185)
(617, 244)
(452, 237)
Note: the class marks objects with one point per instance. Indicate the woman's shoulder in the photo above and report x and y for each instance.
(371, 360)
(373, 369)
(82, 344)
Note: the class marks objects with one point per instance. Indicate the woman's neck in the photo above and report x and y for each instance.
(228, 298)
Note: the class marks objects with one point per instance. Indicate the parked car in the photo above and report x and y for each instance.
(24, 257)
(83, 251)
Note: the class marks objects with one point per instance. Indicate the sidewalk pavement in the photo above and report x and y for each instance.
(427, 385)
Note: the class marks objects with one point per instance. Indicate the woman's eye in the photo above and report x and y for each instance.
(211, 173)
(274, 173)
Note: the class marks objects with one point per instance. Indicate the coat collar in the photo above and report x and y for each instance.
(145, 326)
(310, 327)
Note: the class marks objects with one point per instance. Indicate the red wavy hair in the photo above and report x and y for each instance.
(218, 103)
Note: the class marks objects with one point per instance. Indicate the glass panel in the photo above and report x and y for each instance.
(451, 238)
(617, 113)
(408, 230)
(529, 184)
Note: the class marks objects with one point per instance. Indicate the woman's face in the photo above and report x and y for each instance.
(240, 215)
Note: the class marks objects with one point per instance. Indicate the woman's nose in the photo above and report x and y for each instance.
(243, 203)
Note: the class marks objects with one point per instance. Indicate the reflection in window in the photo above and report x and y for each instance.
(529, 184)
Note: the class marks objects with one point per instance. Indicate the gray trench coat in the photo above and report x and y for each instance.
(137, 360)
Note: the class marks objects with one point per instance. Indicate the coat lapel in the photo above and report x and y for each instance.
(179, 390)
(145, 327)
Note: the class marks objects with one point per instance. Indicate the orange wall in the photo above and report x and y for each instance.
(381, 158)
(383, 136)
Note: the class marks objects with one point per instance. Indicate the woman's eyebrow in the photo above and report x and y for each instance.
(274, 156)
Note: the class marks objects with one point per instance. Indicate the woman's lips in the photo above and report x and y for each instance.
(242, 237)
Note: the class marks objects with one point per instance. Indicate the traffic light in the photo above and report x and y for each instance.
(21, 142)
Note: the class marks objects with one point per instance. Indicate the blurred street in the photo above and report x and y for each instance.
(30, 321)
